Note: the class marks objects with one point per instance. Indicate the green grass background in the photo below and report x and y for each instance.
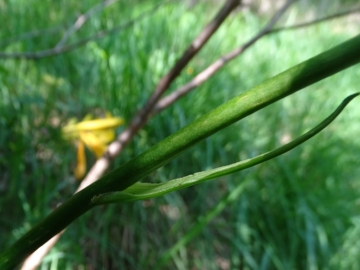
(298, 211)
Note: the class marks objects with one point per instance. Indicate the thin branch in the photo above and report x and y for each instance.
(82, 19)
(316, 21)
(76, 45)
(214, 67)
(102, 164)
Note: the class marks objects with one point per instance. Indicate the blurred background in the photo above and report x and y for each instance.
(298, 211)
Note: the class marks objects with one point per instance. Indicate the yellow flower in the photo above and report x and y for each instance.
(94, 133)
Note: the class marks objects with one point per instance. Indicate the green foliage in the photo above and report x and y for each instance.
(293, 211)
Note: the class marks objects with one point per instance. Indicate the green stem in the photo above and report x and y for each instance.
(280, 86)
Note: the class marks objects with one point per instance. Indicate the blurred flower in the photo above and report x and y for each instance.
(95, 134)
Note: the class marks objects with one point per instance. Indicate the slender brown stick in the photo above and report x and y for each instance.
(214, 67)
(102, 164)
(316, 21)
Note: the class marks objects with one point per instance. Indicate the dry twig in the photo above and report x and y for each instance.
(316, 21)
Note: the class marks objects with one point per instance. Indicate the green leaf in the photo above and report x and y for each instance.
(142, 191)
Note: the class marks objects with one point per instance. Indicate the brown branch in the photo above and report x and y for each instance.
(305, 24)
(214, 67)
(76, 45)
(102, 164)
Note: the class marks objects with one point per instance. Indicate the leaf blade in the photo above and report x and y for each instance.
(142, 191)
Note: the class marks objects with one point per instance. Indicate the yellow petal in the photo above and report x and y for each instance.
(99, 124)
(81, 161)
(105, 136)
(93, 143)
